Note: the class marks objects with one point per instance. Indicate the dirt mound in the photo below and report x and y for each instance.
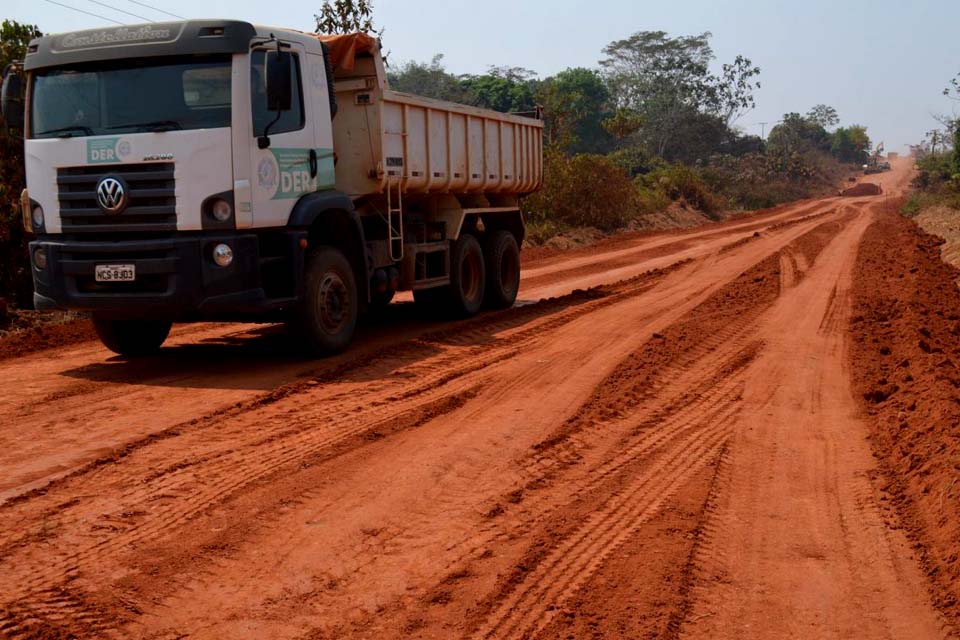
(862, 189)
(906, 367)
(30, 331)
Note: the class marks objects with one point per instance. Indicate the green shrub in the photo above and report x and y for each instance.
(757, 181)
(585, 190)
(681, 182)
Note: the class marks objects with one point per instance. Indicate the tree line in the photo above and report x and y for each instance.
(654, 123)
(937, 182)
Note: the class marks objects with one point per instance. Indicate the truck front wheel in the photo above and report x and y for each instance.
(131, 337)
(328, 315)
(503, 269)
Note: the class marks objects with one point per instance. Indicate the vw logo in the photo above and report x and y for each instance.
(111, 195)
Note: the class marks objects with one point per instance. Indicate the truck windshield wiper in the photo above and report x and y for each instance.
(68, 131)
(155, 125)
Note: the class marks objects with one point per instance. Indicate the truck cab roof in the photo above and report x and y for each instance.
(185, 37)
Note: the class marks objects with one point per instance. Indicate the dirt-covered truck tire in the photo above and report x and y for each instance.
(467, 277)
(131, 337)
(328, 315)
(463, 297)
(502, 257)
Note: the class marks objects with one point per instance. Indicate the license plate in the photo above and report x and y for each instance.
(116, 272)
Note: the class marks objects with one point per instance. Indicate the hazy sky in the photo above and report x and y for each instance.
(881, 63)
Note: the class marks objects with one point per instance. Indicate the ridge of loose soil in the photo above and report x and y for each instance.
(905, 353)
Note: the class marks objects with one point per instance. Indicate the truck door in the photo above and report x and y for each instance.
(281, 173)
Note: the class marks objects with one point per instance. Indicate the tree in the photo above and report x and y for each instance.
(14, 38)
(346, 16)
(575, 104)
(953, 88)
(851, 144)
(15, 278)
(667, 81)
(506, 89)
(429, 80)
(623, 123)
(824, 115)
(798, 134)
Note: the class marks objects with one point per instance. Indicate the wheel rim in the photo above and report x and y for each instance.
(509, 271)
(333, 303)
(470, 274)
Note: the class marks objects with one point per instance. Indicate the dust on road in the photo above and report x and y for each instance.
(666, 439)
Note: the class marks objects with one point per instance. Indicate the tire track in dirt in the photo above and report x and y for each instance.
(173, 485)
(795, 543)
(176, 493)
(680, 423)
(531, 606)
(651, 414)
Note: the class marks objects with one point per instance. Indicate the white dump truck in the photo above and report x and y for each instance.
(217, 170)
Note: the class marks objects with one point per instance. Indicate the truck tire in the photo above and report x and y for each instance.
(502, 256)
(463, 297)
(467, 277)
(131, 337)
(328, 315)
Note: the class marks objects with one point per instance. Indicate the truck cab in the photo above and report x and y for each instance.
(198, 170)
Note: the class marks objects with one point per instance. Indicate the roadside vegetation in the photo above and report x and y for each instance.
(653, 126)
(646, 138)
(934, 202)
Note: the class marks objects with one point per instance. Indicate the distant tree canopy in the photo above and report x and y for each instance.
(953, 89)
(506, 89)
(576, 102)
(346, 16)
(668, 84)
(805, 134)
(851, 144)
(824, 115)
(429, 80)
(797, 133)
(14, 38)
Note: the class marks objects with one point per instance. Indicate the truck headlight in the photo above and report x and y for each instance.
(223, 255)
(40, 258)
(36, 217)
(221, 210)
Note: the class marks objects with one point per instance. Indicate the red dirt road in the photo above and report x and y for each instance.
(679, 450)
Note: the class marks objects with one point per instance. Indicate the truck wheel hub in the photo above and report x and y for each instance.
(334, 300)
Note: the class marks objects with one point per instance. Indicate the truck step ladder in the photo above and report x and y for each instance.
(395, 219)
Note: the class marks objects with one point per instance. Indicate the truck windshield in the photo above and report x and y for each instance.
(126, 96)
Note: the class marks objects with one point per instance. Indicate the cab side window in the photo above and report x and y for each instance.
(292, 120)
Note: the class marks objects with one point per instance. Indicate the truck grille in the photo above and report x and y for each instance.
(152, 205)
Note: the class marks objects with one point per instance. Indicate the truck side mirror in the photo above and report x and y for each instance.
(11, 100)
(279, 84)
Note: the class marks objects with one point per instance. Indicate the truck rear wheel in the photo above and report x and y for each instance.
(467, 277)
(463, 297)
(502, 256)
(328, 315)
(131, 337)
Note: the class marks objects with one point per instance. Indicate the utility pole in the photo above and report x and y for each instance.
(763, 129)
